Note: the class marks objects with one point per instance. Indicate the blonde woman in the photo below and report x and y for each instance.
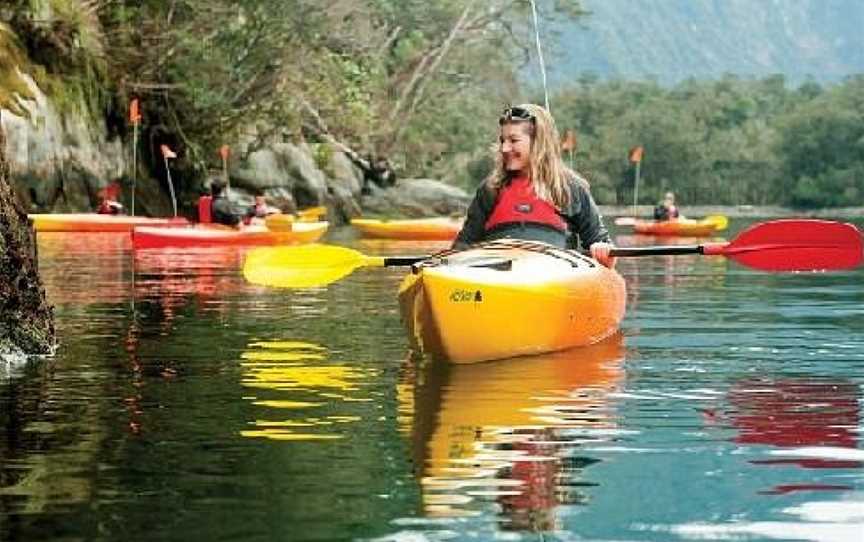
(531, 194)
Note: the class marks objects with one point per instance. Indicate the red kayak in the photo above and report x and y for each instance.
(214, 235)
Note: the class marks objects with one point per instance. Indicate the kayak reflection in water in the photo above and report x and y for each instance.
(510, 432)
(531, 194)
(666, 209)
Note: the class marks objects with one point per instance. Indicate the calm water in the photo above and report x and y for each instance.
(186, 404)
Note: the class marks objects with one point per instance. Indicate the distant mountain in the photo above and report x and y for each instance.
(672, 40)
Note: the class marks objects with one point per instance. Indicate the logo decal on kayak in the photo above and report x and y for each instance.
(466, 296)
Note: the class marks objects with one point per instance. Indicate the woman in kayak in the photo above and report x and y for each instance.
(667, 210)
(531, 194)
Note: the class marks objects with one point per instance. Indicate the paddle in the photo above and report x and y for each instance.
(308, 266)
(780, 245)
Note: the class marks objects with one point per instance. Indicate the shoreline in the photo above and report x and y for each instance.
(737, 211)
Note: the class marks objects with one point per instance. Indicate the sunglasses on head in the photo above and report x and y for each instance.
(516, 113)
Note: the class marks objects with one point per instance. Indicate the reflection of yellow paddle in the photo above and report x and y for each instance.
(719, 222)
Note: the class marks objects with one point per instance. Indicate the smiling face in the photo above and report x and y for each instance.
(515, 146)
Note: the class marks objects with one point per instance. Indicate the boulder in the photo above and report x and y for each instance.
(416, 198)
(58, 161)
(26, 318)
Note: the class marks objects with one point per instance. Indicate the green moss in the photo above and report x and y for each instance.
(73, 74)
(12, 59)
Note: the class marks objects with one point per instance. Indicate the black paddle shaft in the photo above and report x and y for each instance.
(657, 251)
(403, 261)
(618, 252)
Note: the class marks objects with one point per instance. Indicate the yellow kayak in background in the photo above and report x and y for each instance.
(93, 222)
(509, 298)
(440, 228)
(683, 227)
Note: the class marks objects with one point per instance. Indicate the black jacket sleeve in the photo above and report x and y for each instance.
(474, 227)
(223, 213)
(584, 219)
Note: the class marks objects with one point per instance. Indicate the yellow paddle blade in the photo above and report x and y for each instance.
(303, 266)
(311, 213)
(279, 222)
(720, 222)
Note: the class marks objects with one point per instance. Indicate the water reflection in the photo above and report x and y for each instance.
(68, 282)
(507, 434)
(797, 412)
(300, 391)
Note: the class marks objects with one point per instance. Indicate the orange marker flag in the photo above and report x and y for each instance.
(224, 151)
(167, 152)
(134, 111)
(635, 155)
(568, 143)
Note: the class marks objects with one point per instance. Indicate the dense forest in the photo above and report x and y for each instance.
(729, 141)
(421, 82)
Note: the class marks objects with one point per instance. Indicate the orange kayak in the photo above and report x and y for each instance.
(509, 298)
(421, 229)
(207, 235)
(683, 228)
(93, 222)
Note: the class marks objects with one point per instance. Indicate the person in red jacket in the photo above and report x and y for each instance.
(531, 194)
(667, 210)
(108, 204)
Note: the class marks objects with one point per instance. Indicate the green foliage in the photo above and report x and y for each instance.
(66, 52)
(730, 141)
(420, 82)
(323, 154)
(12, 59)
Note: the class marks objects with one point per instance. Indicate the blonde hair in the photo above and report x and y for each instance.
(548, 173)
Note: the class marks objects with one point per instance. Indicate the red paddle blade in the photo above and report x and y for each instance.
(797, 245)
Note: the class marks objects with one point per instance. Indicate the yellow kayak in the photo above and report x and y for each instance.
(93, 222)
(509, 298)
(440, 228)
(683, 227)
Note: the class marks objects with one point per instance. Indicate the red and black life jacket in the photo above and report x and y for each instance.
(518, 204)
(205, 215)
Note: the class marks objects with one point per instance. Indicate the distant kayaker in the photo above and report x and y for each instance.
(221, 211)
(259, 209)
(108, 204)
(531, 193)
(666, 209)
